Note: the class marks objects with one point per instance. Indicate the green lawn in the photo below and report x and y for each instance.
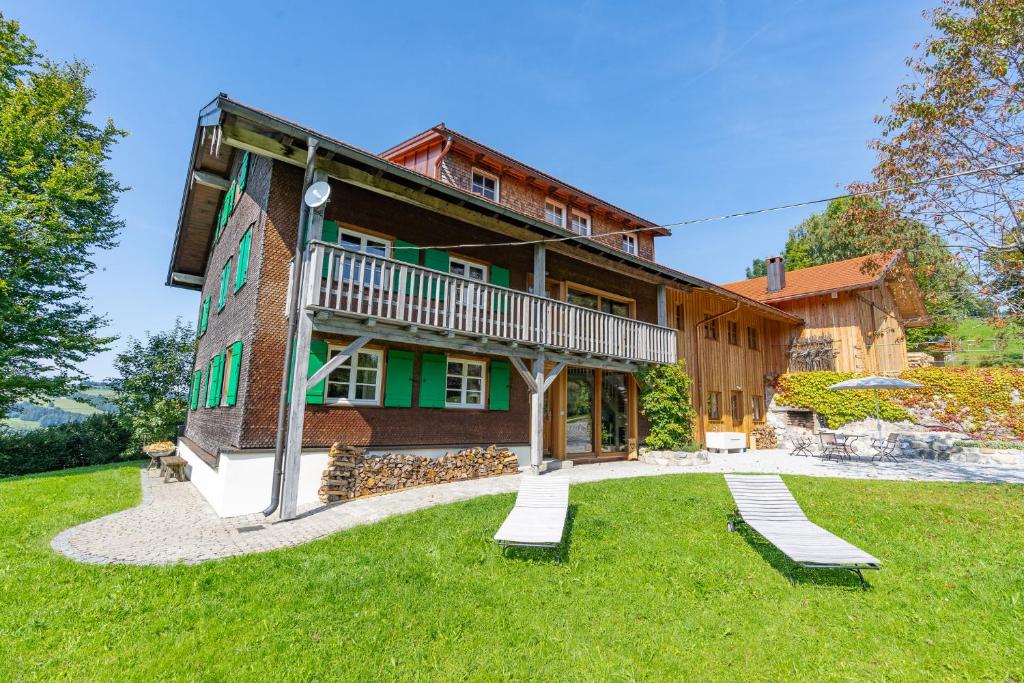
(652, 587)
(977, 344)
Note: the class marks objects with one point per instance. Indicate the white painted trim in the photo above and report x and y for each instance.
(581, 214)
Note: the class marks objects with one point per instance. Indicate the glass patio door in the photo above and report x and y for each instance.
(579, 411)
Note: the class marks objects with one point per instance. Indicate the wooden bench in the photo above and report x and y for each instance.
(173, 465)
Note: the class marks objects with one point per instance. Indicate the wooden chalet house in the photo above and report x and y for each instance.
(404, 341)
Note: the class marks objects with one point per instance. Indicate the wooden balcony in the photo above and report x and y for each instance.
(405, 302)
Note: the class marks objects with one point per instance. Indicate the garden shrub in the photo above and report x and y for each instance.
(96, 440)
(995, 445)
(665, 401)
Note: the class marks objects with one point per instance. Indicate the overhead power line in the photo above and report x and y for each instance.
(723, 217)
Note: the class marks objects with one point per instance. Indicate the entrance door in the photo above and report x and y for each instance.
(579, 411)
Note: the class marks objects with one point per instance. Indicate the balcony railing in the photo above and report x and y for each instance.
(374, 287)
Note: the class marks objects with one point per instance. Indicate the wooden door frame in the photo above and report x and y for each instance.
(559, 395)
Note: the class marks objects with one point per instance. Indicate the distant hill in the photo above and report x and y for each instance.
(95, 398)
(980, 344)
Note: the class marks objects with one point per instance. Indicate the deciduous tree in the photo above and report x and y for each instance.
(57, 203)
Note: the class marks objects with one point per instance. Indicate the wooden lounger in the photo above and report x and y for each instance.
(538, 518)
(765, 504)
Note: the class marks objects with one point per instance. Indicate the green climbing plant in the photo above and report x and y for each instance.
(665, 402)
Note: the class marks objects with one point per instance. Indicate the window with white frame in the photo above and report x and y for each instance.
(629, 244)
(554, 212)
(362, 243)
(465, 384)
(485, 184)
(464, 268)
(359, 385)
(365, 244)
(579, 222)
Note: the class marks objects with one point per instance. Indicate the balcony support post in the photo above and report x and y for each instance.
(537, 394)
(662, 306)
(308, 279)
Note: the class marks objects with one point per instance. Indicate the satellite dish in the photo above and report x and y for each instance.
(317, 194)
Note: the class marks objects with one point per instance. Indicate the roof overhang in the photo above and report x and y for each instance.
(233, 125)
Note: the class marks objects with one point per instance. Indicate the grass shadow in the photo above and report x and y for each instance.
(74, 471)
(794, 573)
(557, 555)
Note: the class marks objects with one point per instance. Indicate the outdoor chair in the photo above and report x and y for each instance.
(765, 504)
(538, 518)
(802, 446)
(831, 447)
(885, 449)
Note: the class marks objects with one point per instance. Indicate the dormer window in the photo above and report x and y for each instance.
(629, 244)
(554, 212)
(579, 222)
(485, 184)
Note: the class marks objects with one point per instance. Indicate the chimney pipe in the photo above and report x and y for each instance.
(776, 266)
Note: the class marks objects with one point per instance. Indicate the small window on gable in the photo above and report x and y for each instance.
(579, 222)
(714, 405)
(629, 244)
(752, 339)
(468, 269)
(711, 330)
(732, 332)
(554, 212)
(485, 184)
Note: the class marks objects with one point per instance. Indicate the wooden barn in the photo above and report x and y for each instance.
(855, 312)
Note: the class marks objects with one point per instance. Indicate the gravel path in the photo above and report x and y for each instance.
(175, 524)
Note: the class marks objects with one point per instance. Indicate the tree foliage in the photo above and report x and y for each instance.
(151, 388)
(962, 110)
(56, 207)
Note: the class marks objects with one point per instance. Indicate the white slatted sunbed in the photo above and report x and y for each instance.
(765, 504)
(538, 518)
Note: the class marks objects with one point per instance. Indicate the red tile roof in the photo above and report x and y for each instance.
(854, 273)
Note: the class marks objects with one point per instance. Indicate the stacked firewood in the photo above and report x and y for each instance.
(765, 436)
(351, 473)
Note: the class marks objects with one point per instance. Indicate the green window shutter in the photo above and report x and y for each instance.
(498, 392)
(197, 382)
(499, 276)
(225, 276)
(236, 364)
(406, 252)
(243, 171)
(398, 383)
(231, 200)
(243, 259)
(205, 318)
(330, 235)
(433, 368)
(435, 259)
(317, 358)
(216, 378)
(209, 383)
(330, 232)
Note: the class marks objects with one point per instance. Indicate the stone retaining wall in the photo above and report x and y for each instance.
(351, 473)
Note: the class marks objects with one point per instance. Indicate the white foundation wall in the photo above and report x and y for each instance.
(241, 484)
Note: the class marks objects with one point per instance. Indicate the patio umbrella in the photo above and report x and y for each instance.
(875, 383)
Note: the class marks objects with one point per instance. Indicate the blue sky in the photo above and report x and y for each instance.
(673, 110)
